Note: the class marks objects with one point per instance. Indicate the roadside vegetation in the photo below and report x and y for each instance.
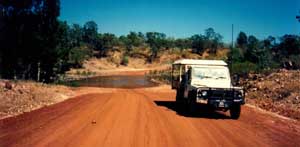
(36, 45)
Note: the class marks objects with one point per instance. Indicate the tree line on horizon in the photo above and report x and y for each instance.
(252, 54)
(36, 45)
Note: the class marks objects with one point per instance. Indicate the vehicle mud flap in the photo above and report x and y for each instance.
(235, 111)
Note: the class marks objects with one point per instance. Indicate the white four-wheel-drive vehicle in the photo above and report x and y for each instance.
(206, 81)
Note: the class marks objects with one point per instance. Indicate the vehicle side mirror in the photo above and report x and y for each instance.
(235, 80)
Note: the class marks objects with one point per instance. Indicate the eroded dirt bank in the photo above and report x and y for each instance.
(277, 92)
(17, 97)
(141, 117)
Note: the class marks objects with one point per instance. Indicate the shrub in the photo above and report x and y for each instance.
(73, 84)
(244, 67)
(295, 60)
(125, 60)
(77, 55)
(84, 73)
(236, 55)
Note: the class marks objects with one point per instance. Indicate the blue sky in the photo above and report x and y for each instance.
(183, 18)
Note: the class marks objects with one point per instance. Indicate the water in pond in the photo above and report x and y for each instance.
(117, 82)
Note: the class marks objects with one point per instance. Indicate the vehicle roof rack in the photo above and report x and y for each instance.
(201, 62)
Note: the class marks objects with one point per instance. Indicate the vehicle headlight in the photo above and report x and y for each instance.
(204, 93)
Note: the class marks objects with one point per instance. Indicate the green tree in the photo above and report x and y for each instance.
(70, 50)
(77, 55)
(142, 36)
(63, 47)
(265, 59)
(258, 52)
(213, 40)
(76, 35)
(106, 42)
(216, 43)
(28, 38)
(236, 55)
(183, 43)
(198, 43)
(290, 44)
(155, 41)
(252, 49)
(242, 41)
(210, 33)
(90, 33)
(288, 50)
(123, 40)
(133, 39)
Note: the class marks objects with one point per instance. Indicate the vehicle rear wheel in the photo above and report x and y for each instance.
(235, 111)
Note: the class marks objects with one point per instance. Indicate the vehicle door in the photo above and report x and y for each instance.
(187, 82)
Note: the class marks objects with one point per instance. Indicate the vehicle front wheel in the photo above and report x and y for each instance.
(179, 100)
(192, 102)
(178, 97)
(235, 111)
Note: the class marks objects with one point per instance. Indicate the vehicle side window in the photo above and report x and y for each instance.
(175, 76)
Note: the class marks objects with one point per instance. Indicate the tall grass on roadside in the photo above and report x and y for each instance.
(243, 68)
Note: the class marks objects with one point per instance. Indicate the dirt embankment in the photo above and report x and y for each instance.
(138, 62)
(104, 67)
(278, 92)
(17, 97)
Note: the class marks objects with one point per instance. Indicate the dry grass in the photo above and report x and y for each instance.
(220, 55)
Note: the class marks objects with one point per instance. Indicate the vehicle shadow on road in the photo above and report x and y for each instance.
(201, 111)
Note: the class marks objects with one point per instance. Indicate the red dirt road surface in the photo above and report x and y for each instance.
(142, 117)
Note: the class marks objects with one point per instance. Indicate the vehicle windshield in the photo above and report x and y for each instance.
(217, 73)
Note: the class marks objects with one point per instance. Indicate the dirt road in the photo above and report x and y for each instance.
(142, 117)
